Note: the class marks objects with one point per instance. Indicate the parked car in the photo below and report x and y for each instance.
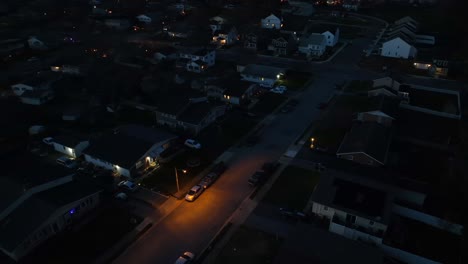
(257, 178)
(121, 196)
(48, 141)
(213, 175)
(191, 143)
(128, 185)
(193, 194)
(270, 167)
(186, 258)
(277, 91)
(67, 162)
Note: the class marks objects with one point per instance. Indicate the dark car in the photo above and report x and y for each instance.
(258, 178)
(270, 167)
(213, 175)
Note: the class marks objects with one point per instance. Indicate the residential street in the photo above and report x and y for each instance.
(191, 226)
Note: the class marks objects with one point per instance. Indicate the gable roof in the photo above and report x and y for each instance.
(313, 39)
(196, 113)
(67, 140)
(385, 104)
(369, 138)
(356, 194)
(133, 141)
(34, 211)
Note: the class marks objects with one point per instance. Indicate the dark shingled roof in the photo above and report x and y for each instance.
(34, 211)
(307, 244)
(370, 138)
(385, 104)
(133, 139)
(67, 141)
(195, 113)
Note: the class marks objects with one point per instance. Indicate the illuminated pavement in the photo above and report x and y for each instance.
(191, 226)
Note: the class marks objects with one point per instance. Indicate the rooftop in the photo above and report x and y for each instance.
(308, 244)
(32, 213)
(195, 113)
(313, 39)
(424, 240)
(355, 194)
(370, 138)
(67, 140)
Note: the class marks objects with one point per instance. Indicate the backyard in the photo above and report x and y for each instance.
(293, 188)
(249, 246)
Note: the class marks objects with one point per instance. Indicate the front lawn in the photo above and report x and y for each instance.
(164, 178)
(293, 188)
(249, 246)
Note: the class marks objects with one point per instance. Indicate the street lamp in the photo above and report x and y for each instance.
(177, 177)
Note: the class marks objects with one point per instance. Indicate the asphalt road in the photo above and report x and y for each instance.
(191, 226)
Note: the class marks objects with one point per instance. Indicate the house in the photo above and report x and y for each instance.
(387, 86)
(41, 81)
(198, 116)
(208, 56)
(137, 148)
(44, 214)
(70, 145)
(351, 5)
(230, 90)
(225, 38)
(358, 208)
(366, 143)
(332, 38)
(282, 44)
(262, 75)
(144, 19)
(309, 244)
(382, 110)
(271, 22)
(36, 97)
(398, 48)
(197, 66)
(251, 41)
(314, 45)
(31, 84)
(166, 53)
(191, 115)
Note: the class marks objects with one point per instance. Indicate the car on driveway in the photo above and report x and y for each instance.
(128, 185)
(48, 141)
(193, 194)
(192, 143)
(186, 258)
(213, 175)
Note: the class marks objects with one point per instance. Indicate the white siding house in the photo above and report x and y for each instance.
(332, 39)
(398, 48)
(271, 21)
(262, 75)
(206, 55)
(70, 146)
(314, 45)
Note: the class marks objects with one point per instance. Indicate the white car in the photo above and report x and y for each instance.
(48, 140)
(186, 258)
(194, 193)
(191, 143)
(131, 186)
